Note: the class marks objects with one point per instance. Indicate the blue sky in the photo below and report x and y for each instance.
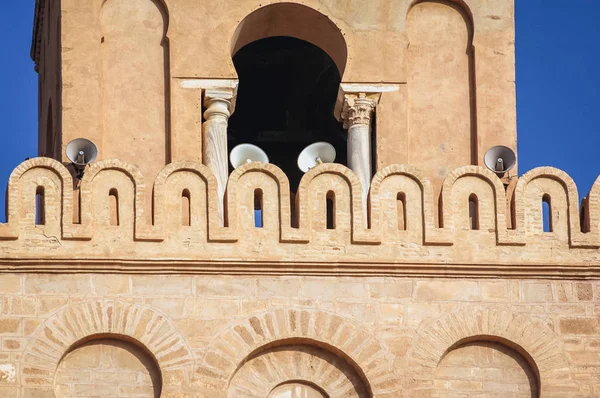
(558, 87)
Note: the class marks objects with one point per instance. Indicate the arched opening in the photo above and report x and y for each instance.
(186, 216)
(473, 212)
(330, 209)
(108, 366)
(289, 59)
(40, 204)
(584, 215)
(547, 213)
(401, 210)
(113, 207)
(258, 208)
(292, 20)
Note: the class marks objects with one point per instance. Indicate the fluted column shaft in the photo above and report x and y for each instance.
(356, 114)
(218, 109)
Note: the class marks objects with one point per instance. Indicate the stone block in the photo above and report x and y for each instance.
(391, 314)
(211, 309)
(166, 285)
(23, 305)
(585, 326)
(278, 287)
(537, 291)
(495, 291)
(361, 312)
(226, 287)
(585, 291)
(391, 289)
(173, 306)
(10, 284)
(447, 290)
(9, 325)
(320, 288)
(110, 284)
(50, 284)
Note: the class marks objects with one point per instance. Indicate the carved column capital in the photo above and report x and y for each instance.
(219, 104)
(357, 111)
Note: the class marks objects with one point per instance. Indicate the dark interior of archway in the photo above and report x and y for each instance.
(286, 96)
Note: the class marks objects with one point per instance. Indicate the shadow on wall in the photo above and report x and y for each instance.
(481, 367)
(109, 367)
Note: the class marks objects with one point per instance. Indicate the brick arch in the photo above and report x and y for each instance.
(360, 234)
(143, 230)
(313, 365)
(531, 338)
(412, 173)
(287, 233)
(69, 326)
(339, 335)
(499, 197)
(9, 230)
(576, 237)
(215, 230)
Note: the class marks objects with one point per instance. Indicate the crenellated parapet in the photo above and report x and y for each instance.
(479, 230)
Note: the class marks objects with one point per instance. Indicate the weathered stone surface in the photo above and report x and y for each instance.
(132, 286)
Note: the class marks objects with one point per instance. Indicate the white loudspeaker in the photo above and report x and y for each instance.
(314, 154)
(81, 152)
(246, 153)
(500, 159)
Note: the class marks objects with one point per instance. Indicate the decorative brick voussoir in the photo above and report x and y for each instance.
(281, 328)
(529, 337)
(98, 319)
(419, 248)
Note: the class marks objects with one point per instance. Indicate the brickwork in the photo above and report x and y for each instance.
(518, 248)
(485, 369)
(394, 337)
(107, 368)
(437, 280)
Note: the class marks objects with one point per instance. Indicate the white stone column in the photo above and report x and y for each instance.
(356, 114)
(219, 106)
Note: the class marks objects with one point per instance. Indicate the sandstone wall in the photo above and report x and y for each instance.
(131, 77)
(210, 336)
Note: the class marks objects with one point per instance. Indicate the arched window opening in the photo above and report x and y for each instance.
(584, 216)
(186, 215)
(547, 213)
(330, 198)
(286, 97)
(258, 208)
(474, 212)
(113, 207)
(401, 210)
(40, 205)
